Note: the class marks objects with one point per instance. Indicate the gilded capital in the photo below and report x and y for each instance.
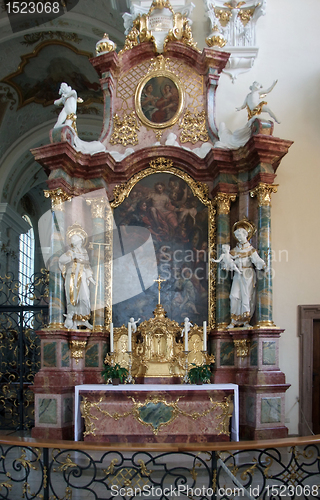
(98, 206)
(263, 193)
(223, 202)
(242, 347)
(58, 197)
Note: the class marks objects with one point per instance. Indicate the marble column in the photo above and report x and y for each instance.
(56, 283)
(98, 246)
(223, 283)
(264, 278)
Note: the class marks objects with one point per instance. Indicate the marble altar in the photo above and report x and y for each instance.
(156, 413)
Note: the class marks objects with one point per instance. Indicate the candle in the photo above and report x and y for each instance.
(129, 336)
(111, 337)
(186, 335)
(204, 335)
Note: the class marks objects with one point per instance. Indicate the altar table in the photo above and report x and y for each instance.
(129, 412)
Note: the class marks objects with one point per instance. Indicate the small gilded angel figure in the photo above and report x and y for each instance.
(226, 260)
(253, 101)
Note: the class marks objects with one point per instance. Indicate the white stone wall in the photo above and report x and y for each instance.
(289, 43)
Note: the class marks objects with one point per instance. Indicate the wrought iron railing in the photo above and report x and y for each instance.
(22, 312)
(66, 470)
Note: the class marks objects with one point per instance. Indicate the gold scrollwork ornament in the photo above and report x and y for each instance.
(193, 127)
(125, 130)
(242, 347)
(78, 348)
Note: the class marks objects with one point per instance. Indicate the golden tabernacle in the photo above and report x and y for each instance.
(158, 349)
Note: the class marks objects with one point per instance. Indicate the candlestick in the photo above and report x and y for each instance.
(186, 335)
(129, 337)
(204, 335)
(129, 379)
(111, 337)
(185, 379)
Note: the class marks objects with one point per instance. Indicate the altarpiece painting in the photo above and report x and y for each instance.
(167, 207)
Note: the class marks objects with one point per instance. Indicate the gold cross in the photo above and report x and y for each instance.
(159, 281)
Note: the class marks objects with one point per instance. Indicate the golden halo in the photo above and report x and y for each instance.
(76, 229)
(247, 225)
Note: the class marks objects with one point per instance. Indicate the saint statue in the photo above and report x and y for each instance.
(247, 260)
(77, 273)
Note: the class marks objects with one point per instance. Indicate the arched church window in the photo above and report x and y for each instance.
(26, 257)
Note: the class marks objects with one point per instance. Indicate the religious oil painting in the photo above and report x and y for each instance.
(159, 100)
(164, 205)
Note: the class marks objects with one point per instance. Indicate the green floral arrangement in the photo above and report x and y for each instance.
(116, 371)
(200, 373)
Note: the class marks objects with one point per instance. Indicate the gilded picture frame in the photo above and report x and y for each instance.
(200, 191)
(159, 99)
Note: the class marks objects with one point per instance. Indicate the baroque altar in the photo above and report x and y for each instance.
(157, 413)
(163, 192)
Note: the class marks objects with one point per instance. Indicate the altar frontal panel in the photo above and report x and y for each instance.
(160, 417)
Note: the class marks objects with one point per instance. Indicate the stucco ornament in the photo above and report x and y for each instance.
(233, 25)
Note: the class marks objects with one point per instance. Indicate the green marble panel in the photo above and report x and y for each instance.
(226, 354)
(250, 410)
(67, 410)
(105, 349)
(50, 354)
(254, 353)
(65, 354)
(270, 410)
(156, 414)
(47, 411)
(92, 356)
(268, 353)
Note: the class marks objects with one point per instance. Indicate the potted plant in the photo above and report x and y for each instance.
(116, 373)
(199, 374)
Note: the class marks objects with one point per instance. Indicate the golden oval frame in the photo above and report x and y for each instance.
(154, 74)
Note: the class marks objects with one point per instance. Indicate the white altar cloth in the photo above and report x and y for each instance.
(155, 388)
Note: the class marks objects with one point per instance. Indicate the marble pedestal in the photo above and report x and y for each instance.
(63, 366)
(250, 358)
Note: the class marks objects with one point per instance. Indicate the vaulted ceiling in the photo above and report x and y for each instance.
(34, 59)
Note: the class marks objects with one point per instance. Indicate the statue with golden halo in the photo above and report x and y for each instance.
(77, 273)
(243, 289)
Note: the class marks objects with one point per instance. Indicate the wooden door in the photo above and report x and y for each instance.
(316, 378)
